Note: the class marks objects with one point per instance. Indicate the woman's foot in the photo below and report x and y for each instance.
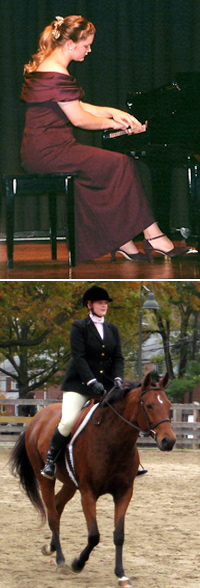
(130, 252)
(157, 239)
(162, 243)
(129, 248)
(150, 248)
(133, 256)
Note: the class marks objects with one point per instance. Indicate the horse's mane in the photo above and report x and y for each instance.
(119, 393)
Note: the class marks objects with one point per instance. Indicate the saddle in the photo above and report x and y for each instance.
(82, 414)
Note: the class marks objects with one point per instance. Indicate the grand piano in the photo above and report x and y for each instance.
(172, 141)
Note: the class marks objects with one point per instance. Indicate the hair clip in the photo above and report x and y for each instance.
(59, 21)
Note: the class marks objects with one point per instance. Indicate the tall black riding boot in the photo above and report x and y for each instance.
(58, 442)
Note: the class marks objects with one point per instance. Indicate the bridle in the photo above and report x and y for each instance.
(151, 428)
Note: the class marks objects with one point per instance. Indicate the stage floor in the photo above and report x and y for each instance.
(33, 261)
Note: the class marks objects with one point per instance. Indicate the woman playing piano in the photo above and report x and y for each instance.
(111, 207)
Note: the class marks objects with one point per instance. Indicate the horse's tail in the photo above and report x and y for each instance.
(21, 466)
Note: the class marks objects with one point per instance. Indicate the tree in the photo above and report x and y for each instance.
(186, 298)
(35, 319)
(180, 304)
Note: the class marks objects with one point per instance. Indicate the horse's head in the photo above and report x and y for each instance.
(153, 416)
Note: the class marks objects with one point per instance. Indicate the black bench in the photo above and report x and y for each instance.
(52, 185)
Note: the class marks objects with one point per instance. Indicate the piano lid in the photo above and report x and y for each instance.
(172, 111)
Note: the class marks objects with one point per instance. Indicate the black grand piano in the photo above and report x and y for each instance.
(172, 141)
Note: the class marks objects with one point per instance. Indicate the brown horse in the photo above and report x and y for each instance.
(105, 461)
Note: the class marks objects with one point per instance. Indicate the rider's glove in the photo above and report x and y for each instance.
(118, 383)
(97, 388)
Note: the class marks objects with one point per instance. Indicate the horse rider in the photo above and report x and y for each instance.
(97, 364)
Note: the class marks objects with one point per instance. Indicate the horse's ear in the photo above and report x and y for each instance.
(163, 383)
(146, 382)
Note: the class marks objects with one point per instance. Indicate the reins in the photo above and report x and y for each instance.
(151, 429)
(122, 418)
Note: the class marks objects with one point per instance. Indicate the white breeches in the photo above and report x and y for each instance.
(71, 406)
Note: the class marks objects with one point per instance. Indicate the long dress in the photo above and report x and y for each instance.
(110, 205)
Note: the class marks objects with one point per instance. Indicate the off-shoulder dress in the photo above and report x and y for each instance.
(110, 205)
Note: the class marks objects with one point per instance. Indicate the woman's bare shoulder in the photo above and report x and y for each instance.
(49, 65)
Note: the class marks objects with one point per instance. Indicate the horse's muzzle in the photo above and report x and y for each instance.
(167, 443)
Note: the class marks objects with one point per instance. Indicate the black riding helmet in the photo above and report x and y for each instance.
(95, 293)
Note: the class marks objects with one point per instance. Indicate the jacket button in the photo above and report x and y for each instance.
(101, 372)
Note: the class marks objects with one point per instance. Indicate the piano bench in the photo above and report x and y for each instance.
(52, 185)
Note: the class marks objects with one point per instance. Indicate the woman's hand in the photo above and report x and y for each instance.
(124, 120)
(97, 118)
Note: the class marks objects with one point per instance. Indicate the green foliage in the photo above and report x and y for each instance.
(35, 319)
(193, 368)
(177, 388)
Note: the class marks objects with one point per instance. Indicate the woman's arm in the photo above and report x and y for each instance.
(119, 116)
(87, 118)
(97, 110)
(78, 351)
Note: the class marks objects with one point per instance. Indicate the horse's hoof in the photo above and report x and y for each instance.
(76, 566)
(125, 582)
(63, 569)
(46, 550)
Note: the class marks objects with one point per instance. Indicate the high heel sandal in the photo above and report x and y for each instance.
(149, 250)
(129, 256)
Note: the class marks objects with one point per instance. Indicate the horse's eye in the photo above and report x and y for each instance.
(149, 406)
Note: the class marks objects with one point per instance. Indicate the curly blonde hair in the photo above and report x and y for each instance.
(57, 33)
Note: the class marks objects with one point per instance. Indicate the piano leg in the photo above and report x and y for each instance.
(192, 195)
(194, 199)
(180, 207)
(173, 189)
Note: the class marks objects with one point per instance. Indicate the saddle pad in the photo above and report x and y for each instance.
(69, 456)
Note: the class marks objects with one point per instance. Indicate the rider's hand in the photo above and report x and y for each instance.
(97, 388)
(118, 383)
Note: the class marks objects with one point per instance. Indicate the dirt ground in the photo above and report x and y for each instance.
(162, 544)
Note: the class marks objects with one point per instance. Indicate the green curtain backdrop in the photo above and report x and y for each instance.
(139, 45)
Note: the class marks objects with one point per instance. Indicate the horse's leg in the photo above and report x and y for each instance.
(47, 489)
(61, 498)
(89, 509)
(121, 505)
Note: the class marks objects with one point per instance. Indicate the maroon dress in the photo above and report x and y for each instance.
(110, 205)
